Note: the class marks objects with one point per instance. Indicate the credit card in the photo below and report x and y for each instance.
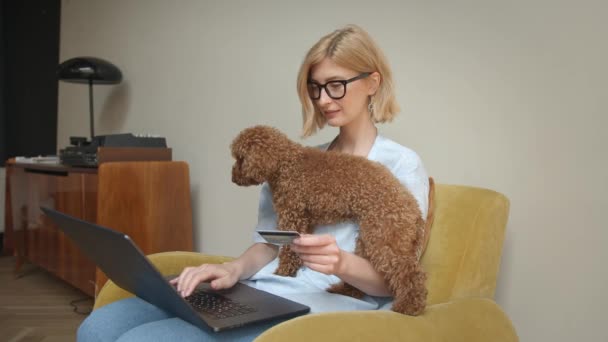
(278, 237)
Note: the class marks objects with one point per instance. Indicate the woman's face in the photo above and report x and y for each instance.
(353, 106)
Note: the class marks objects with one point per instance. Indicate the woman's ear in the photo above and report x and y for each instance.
(374, 82)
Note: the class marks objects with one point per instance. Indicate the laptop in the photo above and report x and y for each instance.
(124, 263)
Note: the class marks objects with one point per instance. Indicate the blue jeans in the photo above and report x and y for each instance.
(134, 319)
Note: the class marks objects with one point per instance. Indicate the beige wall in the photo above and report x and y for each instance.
(508, 95)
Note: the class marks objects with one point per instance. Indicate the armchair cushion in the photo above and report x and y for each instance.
(467, 320)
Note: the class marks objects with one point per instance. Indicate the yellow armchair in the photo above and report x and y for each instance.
(462, 261)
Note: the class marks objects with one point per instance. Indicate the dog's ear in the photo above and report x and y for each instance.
(260, 162)
(257, 154)
(244, 175)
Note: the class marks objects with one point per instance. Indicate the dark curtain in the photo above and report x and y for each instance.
(2, 111)
(29, 57)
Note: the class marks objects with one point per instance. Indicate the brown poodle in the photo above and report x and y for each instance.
(311, 187)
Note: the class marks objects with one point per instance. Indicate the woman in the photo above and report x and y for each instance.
(344, 82)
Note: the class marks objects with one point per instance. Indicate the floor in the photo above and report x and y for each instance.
(36, 306)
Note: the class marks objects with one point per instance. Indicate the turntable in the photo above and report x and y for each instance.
(114, 147)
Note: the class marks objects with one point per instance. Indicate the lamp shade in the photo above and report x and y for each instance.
(86, 69)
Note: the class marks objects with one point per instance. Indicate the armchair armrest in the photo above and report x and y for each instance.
(167, 263)
(470, 320)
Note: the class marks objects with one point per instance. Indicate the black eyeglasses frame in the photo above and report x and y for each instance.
(343, 82)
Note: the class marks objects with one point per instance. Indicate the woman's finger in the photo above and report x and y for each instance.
(314, 240)
(203, 276)
(319, 259)
(182, 278)
(217, 275)
(186, 276)
(325, 249)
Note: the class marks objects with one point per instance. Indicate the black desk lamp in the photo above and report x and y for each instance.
(89, 70)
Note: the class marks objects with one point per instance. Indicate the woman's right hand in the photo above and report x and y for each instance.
(221, 276)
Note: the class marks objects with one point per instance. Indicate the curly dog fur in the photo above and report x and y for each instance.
(311, 187)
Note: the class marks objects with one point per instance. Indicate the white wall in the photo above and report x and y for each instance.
(504, 95)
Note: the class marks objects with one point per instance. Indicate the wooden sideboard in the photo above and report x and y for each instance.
(149, 201)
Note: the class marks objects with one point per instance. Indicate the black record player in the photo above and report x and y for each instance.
(85, 153)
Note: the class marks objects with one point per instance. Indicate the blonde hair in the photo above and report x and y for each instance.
(349, 47)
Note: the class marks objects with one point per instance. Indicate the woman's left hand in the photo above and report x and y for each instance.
(320, 253)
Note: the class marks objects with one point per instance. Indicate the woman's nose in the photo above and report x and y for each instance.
(324, 98)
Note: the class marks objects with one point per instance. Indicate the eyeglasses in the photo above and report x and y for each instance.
(335, 89)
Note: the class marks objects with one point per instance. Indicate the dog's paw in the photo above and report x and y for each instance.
(289, 263)
(346, 290)
(285, 271)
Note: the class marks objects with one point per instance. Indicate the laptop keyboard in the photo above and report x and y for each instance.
(217, 305)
